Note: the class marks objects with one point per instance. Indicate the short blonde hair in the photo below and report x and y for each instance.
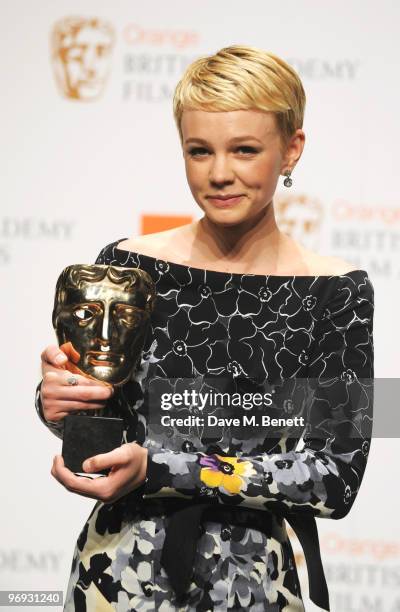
(243, 77)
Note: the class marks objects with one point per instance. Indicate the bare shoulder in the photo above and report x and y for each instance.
(328, 265)
(163, 245)
(144, 244)
(337, 266)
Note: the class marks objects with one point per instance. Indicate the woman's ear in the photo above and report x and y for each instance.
(296, 146)
(293, 151)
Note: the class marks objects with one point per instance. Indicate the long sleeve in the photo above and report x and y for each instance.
(323, 477)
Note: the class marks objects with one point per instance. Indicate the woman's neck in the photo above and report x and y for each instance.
(256, 239)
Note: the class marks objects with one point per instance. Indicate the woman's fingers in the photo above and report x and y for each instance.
(73, 483)
(52, 355)
(57, 387)
(58, 401)
(125, 475)
(63, 392)
(64, 377)
(101, 488)
(64, 408)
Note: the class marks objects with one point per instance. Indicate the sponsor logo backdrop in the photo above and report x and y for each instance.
(90, 154)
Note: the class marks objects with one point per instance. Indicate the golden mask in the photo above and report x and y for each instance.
(101, 316)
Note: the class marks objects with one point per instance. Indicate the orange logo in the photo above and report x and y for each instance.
(299, 216)
(81, 50)
(158, 223)
(134, 34)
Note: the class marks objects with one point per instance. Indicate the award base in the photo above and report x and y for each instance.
(86, 436)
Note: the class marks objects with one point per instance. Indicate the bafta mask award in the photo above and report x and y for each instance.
(101, 316)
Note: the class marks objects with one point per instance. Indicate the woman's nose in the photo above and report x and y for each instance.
(221, 170)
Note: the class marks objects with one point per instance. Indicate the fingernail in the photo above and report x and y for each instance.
(86, 465)
(61, 358)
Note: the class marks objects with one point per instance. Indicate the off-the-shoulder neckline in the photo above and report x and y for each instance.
(115, 244)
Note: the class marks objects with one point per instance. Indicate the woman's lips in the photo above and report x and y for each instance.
(225, 203)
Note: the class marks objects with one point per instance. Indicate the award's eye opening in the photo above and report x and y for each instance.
(129, 316)
(85, 312)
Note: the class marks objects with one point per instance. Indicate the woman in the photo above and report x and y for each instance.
(193, 518)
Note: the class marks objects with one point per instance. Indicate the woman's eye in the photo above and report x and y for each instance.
(199, 151)
(195, 151)
(247, 149)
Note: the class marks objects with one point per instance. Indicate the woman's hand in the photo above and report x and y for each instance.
(59, 397)
(128, 465)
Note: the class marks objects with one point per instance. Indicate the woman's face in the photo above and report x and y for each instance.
(234, 153)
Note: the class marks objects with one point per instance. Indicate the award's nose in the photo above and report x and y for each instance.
(105, 331)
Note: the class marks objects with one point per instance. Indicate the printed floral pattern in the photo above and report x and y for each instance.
(233, 332)
(225, 472)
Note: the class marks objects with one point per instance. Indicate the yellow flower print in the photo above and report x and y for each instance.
(225, 472)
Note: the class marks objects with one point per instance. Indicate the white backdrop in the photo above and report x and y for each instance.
(80, 172)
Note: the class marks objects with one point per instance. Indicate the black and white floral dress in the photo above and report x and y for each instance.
(237, 332)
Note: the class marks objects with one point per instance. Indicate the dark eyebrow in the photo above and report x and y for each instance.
(235, 139)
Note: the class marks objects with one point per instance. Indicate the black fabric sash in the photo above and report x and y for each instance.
(182, 531)
(306, 531)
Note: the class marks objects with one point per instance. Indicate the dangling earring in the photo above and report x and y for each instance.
(288, 181)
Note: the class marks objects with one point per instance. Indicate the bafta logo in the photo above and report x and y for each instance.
(300, 217)
(81, 51)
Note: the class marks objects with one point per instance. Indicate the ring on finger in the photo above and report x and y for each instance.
(72, 380)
